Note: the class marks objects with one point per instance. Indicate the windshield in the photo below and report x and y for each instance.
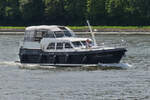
(67, 34)
(84, 43)
(62, 34)
(68, 46)
(59, 34)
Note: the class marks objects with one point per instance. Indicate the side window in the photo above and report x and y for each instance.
(67, 33)
(84, 43)
(67, 46)
(29, 36)
(51, 46)
(49, 35)
(59, 34)
(59, 46)
(38, 35)
(77, 44)
(44, 33)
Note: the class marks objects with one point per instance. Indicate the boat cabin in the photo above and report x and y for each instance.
(66, 44)
(36, 33)
(57, 45)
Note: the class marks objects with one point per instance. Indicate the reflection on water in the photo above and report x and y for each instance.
(76, 68)
(73, 68)
(78, 83)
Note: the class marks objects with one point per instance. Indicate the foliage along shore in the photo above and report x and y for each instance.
(86, 29)
(75, 12)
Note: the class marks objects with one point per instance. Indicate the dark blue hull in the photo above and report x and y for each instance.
(37, 56)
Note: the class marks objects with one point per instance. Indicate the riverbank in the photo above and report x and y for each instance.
(85, 30)
(112, 28)
(87, 33)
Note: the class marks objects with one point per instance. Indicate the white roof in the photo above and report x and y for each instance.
(46, 27)
(66, 39)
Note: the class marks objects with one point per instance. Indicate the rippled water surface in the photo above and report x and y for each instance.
(89, 83)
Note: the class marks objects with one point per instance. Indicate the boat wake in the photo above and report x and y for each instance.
(84, 67)
(24, 66)
(35, 66)
(115, 66)
(9, 63)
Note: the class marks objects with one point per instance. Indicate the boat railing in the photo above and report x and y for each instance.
(121, 44)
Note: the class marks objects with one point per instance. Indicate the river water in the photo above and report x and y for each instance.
(39, 83)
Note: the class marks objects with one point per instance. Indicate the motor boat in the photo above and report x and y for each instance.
(59, 46)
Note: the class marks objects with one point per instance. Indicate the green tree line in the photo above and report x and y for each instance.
(74, 12)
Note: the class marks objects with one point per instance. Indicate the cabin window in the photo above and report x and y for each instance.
(77, 44)
(51, 36)
(51, 46)
(68, 46)
(40, 34)
(62, 34)
(59, 46)
(29, 36)
(62, 28)
(59, 34)
(84, 43)
(67, 33)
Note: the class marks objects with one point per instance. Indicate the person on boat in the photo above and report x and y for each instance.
(88, 43)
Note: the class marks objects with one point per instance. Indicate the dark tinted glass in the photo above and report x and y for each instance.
(67, 33)
(59, 34)
(77, 44)
(67, 45)
(51, 46)
(59, 46)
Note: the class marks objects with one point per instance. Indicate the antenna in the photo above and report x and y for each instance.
(92, 33)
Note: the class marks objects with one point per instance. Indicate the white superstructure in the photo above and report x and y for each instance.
(54, 38)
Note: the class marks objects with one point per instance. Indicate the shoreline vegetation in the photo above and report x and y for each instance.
(85, 28)
(75, 12)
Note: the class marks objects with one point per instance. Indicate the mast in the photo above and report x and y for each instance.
(92, 33)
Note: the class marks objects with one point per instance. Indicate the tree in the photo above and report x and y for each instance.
(116, 11)
(141, 11)
(2, 10)
(96, 11)
(54, 11)
(32, 11)
(76, 11)
(12, 12)
(128, 12)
